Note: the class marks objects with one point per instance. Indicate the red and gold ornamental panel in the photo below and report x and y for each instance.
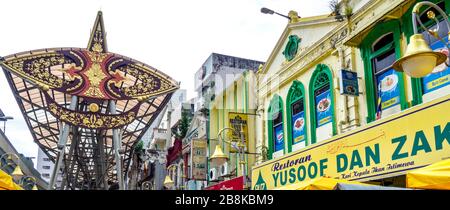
(92, 74)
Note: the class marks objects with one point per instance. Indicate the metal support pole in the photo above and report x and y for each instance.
(69, 159)
(117, 146)
(102, 166)
(242, 150)
(62, 145)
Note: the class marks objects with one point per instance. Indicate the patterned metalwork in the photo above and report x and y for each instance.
(43, 82)
(90, 74)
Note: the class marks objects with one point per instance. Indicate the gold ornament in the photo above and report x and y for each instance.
(93, 107)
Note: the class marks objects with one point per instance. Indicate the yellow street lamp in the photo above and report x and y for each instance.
(17, 173)
(168, 182)
(419, 59)
(219, 158)
(24, 183)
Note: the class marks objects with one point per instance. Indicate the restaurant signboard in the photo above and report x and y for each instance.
(389, 147)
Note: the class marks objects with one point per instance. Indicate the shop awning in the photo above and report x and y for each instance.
(435, 176)
(343, 186)
(321, 183)
(232, 184)
(7, 183)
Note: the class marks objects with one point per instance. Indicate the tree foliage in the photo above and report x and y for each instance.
(180, 131)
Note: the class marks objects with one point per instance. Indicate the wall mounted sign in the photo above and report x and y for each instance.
(199, 159)
(291, 49)
(372, 152)
(388, 84)
(440, 77)
(279, 138)
(235, 121)
(298, 128)
(323, 108)
(349, 83)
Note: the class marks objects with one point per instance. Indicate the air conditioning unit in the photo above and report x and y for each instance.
(212, 174)
(224, 170)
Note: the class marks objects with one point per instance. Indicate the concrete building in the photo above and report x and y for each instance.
(216, 74)
(316, 120)
(45, 167)
(177, 161)
(234, 105)
(177, 98)
(158, 140)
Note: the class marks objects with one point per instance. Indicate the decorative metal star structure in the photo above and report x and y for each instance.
(44, 82)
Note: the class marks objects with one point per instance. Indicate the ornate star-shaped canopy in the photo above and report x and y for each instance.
(43, 82)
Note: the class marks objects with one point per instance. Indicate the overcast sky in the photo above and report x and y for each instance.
(174, 36)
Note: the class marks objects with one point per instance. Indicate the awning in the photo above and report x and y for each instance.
(321, 183)
(435, 176)
(7, 183)
(344, 186)
(232, 184)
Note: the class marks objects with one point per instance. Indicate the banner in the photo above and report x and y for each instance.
(440, 77)
(235, 121)
(199, 159)
(298, 128)
(323, 108)
(390, 89)
(279, 136)
(232, 184)
(390, 147)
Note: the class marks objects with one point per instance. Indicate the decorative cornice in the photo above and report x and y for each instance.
(323, 47)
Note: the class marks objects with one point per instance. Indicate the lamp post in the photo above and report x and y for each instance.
(219, 158)
(419, 60)
(17, 173)
(271, 12)
(4, 119)
(292, 16)
(168, 182)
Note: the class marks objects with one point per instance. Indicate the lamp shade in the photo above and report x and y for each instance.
(168, 182)
(419, 60)
(17, 173)
(218, 158)
(34, 188)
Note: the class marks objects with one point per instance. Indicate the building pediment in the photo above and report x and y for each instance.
(296, 39)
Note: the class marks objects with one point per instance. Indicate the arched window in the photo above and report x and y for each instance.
(275, 128)
(296, 117)
(437, 83)
(385, 92)
(321, 101)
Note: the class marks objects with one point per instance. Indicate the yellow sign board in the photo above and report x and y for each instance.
(412, 139)
(199, 159)
(238, 121)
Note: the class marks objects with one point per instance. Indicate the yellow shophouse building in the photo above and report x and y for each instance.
(331, 104)
(236, 103)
